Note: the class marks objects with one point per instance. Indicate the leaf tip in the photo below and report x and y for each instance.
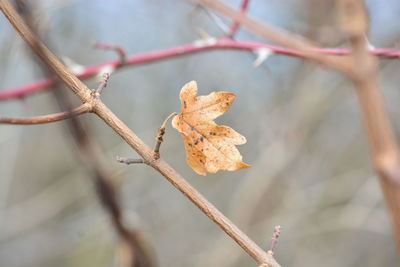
(190, 84)
(243, 165)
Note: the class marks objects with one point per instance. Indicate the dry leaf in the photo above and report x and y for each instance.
(209, 147)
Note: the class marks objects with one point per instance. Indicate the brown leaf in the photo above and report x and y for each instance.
(209, 147)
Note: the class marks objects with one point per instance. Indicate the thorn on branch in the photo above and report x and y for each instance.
(262, 54)
(118, 49)
(130, 160)
(160, 134)
(274, 239)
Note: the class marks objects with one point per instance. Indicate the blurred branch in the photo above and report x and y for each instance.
(82, 109)
(235, 26)
(84, 93)
(361, 68)
(286, 39)
(120, 51)
(220, 44)
(136, 253)
(353, 21)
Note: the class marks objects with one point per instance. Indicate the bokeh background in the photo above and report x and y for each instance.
(311, 169)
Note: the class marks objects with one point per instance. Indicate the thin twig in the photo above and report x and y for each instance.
(160, 134)
(187, 49)
(103, 84)
(235, 26)
(137, 144)
(274, 239)
(82, 109)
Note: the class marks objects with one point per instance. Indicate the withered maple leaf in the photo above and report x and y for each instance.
(209, 147)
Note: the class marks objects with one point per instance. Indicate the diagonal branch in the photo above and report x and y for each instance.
(281, 37)
(235, 26)
(137, 144)
(82, 109)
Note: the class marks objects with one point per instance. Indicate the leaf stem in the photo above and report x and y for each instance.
(160, 134)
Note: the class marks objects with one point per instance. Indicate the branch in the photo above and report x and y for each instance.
(120, 51)
(133, 251)
(84, 108)
(160, 134)
(236, 24)
(383, 145)
(137, 144)
(286, 39)
(361, 68)
(148, 57)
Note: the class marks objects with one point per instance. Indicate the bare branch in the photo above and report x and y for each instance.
(82, 109)
(137, 144)
(235, 26)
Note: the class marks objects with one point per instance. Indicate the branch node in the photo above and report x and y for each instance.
(160, 134)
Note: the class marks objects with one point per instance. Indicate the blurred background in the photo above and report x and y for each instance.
(311, 169)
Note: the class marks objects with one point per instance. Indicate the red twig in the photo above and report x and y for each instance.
(223, 43)
(235, 25)
(121, 52)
